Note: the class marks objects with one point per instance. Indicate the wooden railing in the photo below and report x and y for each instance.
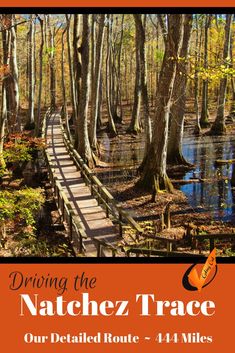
(71, 221)
(212, 238)
(159, 253)
(100, 192)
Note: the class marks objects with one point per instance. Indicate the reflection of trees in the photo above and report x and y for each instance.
(225, 151)
(196, 163)
(202, 155)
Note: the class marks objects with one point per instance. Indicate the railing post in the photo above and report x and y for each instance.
(54, 188)
(169, 246)
(62, 211)
(212, 244)
(98, 249)
(80, 243)
(58, 197)
(120, 223)
(70, 225)
(107, 209)
(98, 194)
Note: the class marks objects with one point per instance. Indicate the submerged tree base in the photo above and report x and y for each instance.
(218, 129)
(134, 130)
(178, 159)
(155, 184)
(204, 124)
(197, 130)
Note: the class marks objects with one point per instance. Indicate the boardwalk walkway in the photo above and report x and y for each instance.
(93, 217)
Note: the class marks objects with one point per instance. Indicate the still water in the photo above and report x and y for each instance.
(214, 192)
(211, 190)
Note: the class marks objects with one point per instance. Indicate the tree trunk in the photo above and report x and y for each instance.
(31, 74)
(109, 90)
(154, 176)
(197, 129)
(232, 108)
(52, 67)
(174, 152)
(84, 148)
(77, 39)
(140, 34)
(135, 125)
(70, 64)
(117, 52)
(96, 83)
(218, 127)
(64, 113)
(38, 120)
(14, 109)
(204, 112)
(6, 42)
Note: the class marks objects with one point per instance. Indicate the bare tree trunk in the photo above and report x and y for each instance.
(218, 127)
(64, 113)
(154, 176)
(70, 63)
(96, 83)
(140, 34)
(174, 151)
(15, 121)
(75, 70)
(31, 73)
(118, 82)
(6, 42)
(135, 124)
(52, 66)
(109, 90)
(38, 120)
(64, 97)
(232, 108)
(197, 129)
(204, 112)
(84, 148)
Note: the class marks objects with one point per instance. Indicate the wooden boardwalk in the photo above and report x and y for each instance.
(92, 216)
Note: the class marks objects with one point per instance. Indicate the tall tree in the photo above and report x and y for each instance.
(174, 151)
(71, 63)
(64, 112)
(96, 81)
(14, 106)
(31, 72)
(232, 108)
(204, 112)
(84, 148)
(38, 118)
(218, 127)
(6, 42)
(198, 42)
(109, 77)
(140, 42)
(154, 176)
(135, 124)
(52, 32)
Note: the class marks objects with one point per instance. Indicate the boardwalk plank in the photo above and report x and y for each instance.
(83, 203)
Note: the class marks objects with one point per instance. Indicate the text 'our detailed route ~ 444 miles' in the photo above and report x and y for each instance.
(108, 337)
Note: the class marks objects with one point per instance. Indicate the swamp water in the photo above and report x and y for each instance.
(211, 189)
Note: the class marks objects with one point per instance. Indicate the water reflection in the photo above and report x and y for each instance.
(213, 192)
